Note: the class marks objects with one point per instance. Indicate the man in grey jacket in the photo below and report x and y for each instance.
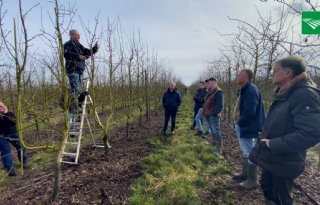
(292, 126)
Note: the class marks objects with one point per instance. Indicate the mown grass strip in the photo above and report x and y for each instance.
(181, 171)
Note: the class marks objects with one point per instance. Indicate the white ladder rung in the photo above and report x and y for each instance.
(75, 123)
(69, 154)
(67, 162)
(72, 143)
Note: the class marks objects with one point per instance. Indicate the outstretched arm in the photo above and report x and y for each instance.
(89, 52)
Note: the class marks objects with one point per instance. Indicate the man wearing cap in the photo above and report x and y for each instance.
(212, 108)
(291, 127)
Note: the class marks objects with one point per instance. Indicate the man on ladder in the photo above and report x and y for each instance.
(75, 55)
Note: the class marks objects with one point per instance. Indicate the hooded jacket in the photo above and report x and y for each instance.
(292, 126)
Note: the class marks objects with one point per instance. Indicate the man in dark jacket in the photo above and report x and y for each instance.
(9, 134)
(212, 108)
(199, 116)
(248, 117)
(291, 127)
(171, 101)
(75, 55)
(198, 99)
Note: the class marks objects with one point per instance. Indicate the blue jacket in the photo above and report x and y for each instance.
(72, 52)
(251, 109)
(199, 97)
(171, 100)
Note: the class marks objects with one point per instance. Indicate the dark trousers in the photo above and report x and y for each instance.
(167, 115)
(195, 110)
(6, 155)
(277, 189)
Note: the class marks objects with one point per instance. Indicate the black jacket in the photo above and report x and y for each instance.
(72, 52)
(292, 125)
(8, 124)
(199, 97)
(251, 111)
(171, 100)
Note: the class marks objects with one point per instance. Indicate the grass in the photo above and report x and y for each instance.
(183, 169)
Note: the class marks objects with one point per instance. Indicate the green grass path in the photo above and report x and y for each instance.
(182, 170)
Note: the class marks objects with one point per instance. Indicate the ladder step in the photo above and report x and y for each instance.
(75, 123)
(72, 143)
(72, 122)
(74, 134)
(69, 154)
(66, 162)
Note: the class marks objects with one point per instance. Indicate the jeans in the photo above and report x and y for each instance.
(277, 189)
(6, 155)
(199, 121)
(195, 110)
(246, 144)
(167, 115)
(213, 123)
(75, 80)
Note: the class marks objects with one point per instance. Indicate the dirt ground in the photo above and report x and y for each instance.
(106, 179)
(98, 179)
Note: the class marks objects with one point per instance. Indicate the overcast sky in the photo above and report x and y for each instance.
(182, 31)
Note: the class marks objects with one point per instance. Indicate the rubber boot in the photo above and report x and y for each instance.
(218, 147)
(251, 181)
(73, 108)
(243, 174)
(269, 202)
